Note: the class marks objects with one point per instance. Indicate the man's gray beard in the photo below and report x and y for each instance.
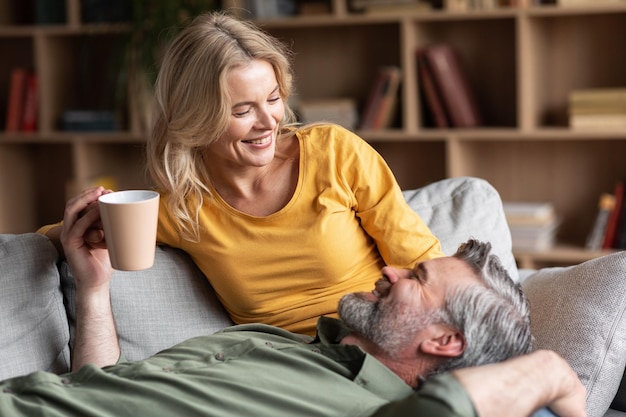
(387, 326)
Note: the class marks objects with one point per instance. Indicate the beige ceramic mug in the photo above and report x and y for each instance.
(130, 219)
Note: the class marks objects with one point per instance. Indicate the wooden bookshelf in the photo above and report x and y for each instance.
(522, 63)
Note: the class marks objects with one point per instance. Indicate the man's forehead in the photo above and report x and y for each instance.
(449, 267)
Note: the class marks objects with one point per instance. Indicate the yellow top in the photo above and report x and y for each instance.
(346, 219)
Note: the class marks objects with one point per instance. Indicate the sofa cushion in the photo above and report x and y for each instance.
(158, 307)
(580, 312)
(457, 209)
(34, 325)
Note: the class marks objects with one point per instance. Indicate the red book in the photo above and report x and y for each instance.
(452, 82)
(613, 224)
(375, 99)
(430, 94)
(31, 103)
(15, 102)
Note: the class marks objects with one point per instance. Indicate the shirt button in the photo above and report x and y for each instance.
(7, 391)
(65, 381)
(269, 344)
(167, 369)
(219, 356)
(316, 350)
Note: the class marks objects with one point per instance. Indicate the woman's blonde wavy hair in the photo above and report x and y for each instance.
(192, 106)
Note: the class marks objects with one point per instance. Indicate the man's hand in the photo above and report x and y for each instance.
(522, 385)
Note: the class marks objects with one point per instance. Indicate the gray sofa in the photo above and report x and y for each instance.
(578, 311)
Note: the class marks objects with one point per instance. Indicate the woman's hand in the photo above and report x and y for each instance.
(83, 240)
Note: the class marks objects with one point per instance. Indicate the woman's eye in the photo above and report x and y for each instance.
(273, 99)
(241, 113)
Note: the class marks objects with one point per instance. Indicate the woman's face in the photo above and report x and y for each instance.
(257, 108)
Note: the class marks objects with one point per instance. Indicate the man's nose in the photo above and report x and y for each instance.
(392, 274)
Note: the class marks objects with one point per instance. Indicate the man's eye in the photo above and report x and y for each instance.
(418, 276)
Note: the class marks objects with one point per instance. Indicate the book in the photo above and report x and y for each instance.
(89, 120)
(430, 96)
(452, 82)
(50, 11)
(525, 212)
(604, 121)
(31, 103)
(614, 218)
(598, 231)
(380, 104)
(15, 102)
(620, 232)
(389, 100)
(395, 7)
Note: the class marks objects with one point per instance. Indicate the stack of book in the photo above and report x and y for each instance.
(533, 225)
(446, 89)
(600, 108)
(342, 111)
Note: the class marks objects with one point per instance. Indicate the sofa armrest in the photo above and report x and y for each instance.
(34, 325)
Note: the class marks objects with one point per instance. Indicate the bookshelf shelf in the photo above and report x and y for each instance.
(521, 62)
(560, 255)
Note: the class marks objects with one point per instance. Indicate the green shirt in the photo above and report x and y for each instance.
(248, 370)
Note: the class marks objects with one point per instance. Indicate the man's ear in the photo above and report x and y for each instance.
(443, 341)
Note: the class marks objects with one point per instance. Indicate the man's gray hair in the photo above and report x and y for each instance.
(494, 318)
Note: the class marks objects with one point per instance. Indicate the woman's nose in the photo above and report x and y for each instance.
(265, 119)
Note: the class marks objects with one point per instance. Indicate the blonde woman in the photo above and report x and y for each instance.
(282, 219)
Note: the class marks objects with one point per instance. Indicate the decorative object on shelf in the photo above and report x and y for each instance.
(452, 84)
(533, 224)
(599, 108)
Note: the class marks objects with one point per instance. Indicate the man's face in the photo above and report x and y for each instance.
(404, 301)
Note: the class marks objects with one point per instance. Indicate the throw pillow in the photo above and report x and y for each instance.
(35, 334)
(158, 307)
(580, 312)
(457, 209)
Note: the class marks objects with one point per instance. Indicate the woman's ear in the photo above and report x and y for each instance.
(443, 341)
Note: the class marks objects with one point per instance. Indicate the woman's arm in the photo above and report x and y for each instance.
(96, 337)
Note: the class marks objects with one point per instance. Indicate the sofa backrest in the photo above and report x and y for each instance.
(172, 301)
